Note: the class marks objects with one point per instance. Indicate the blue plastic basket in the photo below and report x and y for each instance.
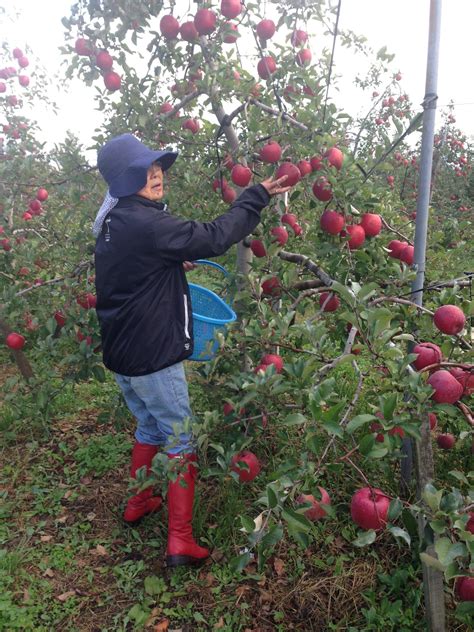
(210, 315)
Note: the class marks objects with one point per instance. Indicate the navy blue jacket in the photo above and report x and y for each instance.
(143, 302)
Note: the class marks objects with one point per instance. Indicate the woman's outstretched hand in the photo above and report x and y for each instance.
(274, 187)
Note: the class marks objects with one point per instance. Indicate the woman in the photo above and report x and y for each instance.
(144, 309)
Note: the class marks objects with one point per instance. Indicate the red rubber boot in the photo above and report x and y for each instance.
(144, 502)
(182, 550)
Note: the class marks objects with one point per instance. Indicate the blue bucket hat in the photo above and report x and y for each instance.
(124, 161)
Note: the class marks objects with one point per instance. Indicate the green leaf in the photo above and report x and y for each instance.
(296, 521)
(389, 403)
(240, 562)
(333, 428)
(367, 291)
(366, 444)
(365, 538)
(272, 497)
(294, 419)
(358, 421)
(459, 476)
(377, 453)
(98, 372)
(344, 292)
(432, 496)
(272, 537)
(154, 585)
(395, 509)
(400, 533)
(248, 524)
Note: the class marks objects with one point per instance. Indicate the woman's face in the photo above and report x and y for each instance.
(153, 189)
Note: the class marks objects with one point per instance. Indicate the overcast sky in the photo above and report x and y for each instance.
(402, 26)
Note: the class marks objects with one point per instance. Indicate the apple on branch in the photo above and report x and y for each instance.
(246, 465)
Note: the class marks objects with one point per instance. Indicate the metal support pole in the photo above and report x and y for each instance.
(433, 584)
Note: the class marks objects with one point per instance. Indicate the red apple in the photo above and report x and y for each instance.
(395, 247)
(17, 53)
(281, 235)
(289, 218)
(297, 229)
(246, 465)
(112, 81)
(332, 222)
(446, 441)
(231, 38)
(464, 588)
(303, 57)
(188, 32)
(42, 195)
(407, 254)
(103, 60)
(371, 223)
(84, 47)
(369, 508)
(258, 249)
(87, 301)
(304, 167)
(27, 216)
(169, 27)
(275, 359)
(335, 157)
(328, 301)
(322, 189)
(24, 81)
(240, 175)
(288, 169)
(3, 88)
(357, 236)
(229, 195)
(165, 107)
(298, 37)
(397, 431)
(15, 341)
(449, 319)
(228, 409)
(271, 287)
(205, 21)
(428, 353)
(433, 420)
(447, 389)
(192, 125)
(271, 152)
(60, 318)
(266, 29)
(231, 8)
(266, 67)
(35, 205)
(80, 337)
(217, 184)
(6, 244)
(470, 523)
(465, 378)
(316, 511)
(316, 163)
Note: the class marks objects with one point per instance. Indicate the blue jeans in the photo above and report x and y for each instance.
(160, 403)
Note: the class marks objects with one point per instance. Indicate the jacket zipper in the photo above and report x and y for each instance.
(186, 316)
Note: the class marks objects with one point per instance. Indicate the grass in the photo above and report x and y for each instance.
(68, 562)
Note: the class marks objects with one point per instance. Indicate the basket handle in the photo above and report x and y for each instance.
(206, 262)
